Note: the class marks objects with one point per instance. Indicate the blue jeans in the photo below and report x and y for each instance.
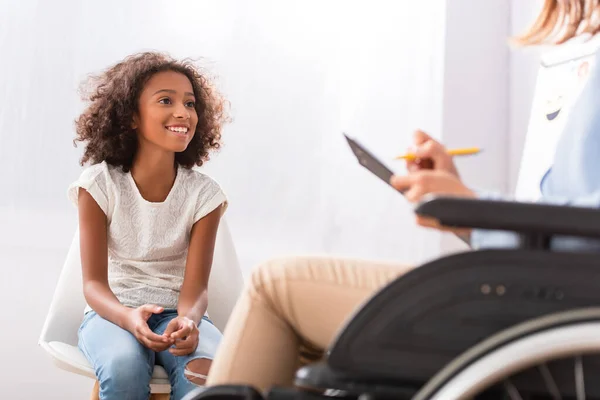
(124, 366)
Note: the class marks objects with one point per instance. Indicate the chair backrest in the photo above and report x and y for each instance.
(68, 302)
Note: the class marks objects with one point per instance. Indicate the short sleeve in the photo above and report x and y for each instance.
(94, 181)
(210, 197)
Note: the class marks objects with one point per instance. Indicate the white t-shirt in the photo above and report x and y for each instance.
(148, 242)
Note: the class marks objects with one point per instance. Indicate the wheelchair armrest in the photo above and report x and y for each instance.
(527, 219)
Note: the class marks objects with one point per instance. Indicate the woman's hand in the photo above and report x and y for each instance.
(184, 333)
(431, 154)
(418, 184)
(137, 324)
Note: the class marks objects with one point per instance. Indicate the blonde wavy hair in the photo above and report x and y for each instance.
(561, 20)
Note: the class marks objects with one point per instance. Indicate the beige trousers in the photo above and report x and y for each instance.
(289, 312)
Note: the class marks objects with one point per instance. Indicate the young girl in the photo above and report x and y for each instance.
(148, 224)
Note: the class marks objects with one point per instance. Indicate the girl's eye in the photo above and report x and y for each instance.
(165, 100)
(191, 104)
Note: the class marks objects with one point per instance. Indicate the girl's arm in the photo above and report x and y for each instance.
(97, 292)
(193, 299)
(94, 261)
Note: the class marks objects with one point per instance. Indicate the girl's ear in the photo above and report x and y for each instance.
(135, 121)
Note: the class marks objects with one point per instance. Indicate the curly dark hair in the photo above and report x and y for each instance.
(105, 125)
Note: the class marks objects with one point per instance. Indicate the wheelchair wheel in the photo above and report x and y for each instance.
(553, 357)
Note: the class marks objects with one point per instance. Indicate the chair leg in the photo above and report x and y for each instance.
(95, 392)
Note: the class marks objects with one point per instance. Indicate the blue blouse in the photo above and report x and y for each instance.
(574, 178)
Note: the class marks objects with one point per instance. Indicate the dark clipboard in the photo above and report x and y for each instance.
(369, 161)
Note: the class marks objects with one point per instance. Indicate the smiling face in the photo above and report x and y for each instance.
(553, 107)
(166, 115)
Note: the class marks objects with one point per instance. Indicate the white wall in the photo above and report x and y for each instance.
(297, 74)
(524, 65)
(494, 82)
(475, 105)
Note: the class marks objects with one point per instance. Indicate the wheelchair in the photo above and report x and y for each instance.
(519, 323)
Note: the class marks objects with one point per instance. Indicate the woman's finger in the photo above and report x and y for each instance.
(428, 222)
(414, 194)
(412, 166)
(434, 155)
(435, 224)
(420, 137)
(401, 182)
(431, 149)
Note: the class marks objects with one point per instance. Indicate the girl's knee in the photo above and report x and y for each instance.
(125, 380)
(196, 371)
(126, 369)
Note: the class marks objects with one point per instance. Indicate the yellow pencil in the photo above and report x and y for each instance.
(453, 152)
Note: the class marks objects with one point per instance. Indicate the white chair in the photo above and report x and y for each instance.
(59, 334)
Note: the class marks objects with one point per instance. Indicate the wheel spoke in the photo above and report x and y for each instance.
(550, 382)
(579, 380)
(512, 391)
